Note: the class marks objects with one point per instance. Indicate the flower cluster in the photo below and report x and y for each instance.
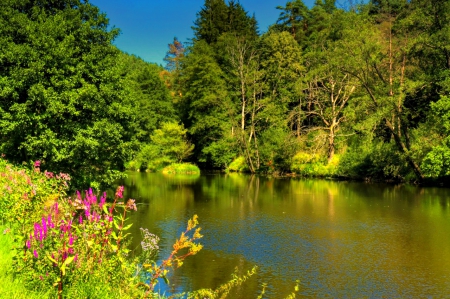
(149, 241)
(89, 204)
(50, 227)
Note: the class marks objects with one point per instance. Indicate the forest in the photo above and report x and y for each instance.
(354, 91)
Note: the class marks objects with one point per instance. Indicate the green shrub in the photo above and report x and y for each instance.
(238, 165)
(181, 168)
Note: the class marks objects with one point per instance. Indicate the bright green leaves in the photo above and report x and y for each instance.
(168, 145)
(436, 163)
(61, 91)
(171, 141)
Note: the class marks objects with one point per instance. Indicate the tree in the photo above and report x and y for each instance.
(379, 60)
(293, 18)
(328, 89)
(171, 142)
(282, 61)
(174, 55)
(205, 106)
(212, 21)
(61, 95)
(217, 18)
(151, 98)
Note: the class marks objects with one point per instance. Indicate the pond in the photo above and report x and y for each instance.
(339, 239)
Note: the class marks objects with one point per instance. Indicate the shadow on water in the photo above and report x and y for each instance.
(340, 239)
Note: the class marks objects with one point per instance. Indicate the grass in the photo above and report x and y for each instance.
(11, 287)
(181, 168)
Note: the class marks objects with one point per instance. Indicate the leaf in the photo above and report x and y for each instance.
(116, 225)
(114, 235)
(52, 259)
(127, 227)
(69, 260)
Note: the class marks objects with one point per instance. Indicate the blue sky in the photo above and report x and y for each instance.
(148, 26)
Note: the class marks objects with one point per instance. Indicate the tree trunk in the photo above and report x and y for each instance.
(331, 144)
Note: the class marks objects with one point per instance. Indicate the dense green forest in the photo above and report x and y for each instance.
(356, 92)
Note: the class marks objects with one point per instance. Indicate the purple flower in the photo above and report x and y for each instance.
(35, 253)
(28, 244)
(37, 231)
(80, 219)
(37, 163)
(102, 200)
(70, 240)
(44, 226)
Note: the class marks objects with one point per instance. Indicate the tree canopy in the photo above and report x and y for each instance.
(359, 91)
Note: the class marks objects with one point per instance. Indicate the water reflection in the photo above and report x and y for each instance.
(340, 239)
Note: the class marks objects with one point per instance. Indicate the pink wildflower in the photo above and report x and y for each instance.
(131, 204)
(119, 192)
(102, 200)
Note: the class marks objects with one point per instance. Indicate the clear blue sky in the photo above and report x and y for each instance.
(148, 26)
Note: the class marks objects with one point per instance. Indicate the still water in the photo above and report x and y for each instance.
(339, 239)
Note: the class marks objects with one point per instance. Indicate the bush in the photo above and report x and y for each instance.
(238, 165)
(181, 168)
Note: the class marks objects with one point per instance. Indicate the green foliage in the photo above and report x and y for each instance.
(223, 290)
(61, 95)
(171, 142)
(293, 19)
(168, 145)
(306, 164)
(216, 18)
(238, 165)
(152, 100)
(436, 163)
(374, 160)
(76, 241)
(23, 191)
(181, 168)
(278, 147)
(205, 106)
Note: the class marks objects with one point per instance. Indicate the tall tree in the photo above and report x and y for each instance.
(205, 106)
(174, 55)
(282, 61)
(61, 95)
(217, 18)
(378, 59)
(212, 21)
(148, 93)
(293, 18)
